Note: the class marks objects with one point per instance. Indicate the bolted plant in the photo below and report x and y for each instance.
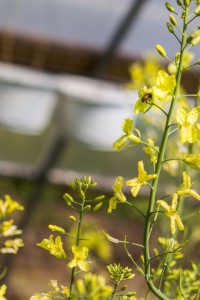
(177, 151)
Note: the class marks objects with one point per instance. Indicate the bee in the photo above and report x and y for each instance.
(146, 97)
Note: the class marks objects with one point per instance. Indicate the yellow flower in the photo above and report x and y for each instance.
(79, 260)
(184, 188)
(139, 181)
(127, 127)
(172, 213)
(55, 248)
(187, 122)
(165, 85)
(145, 99)
(151, 151)
(118, 194)
(12, 246)
(192, 160)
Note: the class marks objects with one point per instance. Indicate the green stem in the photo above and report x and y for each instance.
(150, 283)
(78, 238)
(115, 291)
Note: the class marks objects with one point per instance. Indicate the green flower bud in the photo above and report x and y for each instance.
(190, 38)
(98, 206)
(186, 2)
(130, 294)
(87, 208)
(99, 198)
(173, 20)
(170, 27)
(197, 11)
(169, 7)
(179, 2)
(68, 199)
(123, 288)
(161, 50)
(72, 218)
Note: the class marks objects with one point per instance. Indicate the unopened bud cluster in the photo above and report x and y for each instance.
(117, 273)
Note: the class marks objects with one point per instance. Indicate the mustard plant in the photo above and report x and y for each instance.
(176, 150)
(9, 232)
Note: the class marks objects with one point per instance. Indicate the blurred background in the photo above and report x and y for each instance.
(64, 65)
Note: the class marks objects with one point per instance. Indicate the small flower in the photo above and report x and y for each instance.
(128, 128)
(172, 213)
(192, 160)
(165, 85)
(55, 248)
(184, 188)
(151, 151)
(12, 246)
(141, 180)
(187, 123)
(118, 194)
(8, 206)
(144, 102)
(79, 260)
(7, 228)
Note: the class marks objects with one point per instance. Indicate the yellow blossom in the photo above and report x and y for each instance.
(118, 194)
(151, 151)
(79, 260)
(185, 190)
(165, 85)
(187, 123)
(139, 181)
(145, 100)
(128, 129)
(172, 213)
(54, 247)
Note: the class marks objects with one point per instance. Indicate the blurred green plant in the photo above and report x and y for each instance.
(176, 150)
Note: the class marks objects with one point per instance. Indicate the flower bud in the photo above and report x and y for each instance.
(98, 206)
(170, 27)
(169, 7)
(179, 2)
(173, 20)
(72, 218)
(186, 2)
(161, 50)
(190, 38)
(197, 11)
(195, 41)
(99, 198)
(87, 208)
(68, 199)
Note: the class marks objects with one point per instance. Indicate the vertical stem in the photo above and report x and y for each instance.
(150, 283)
(73, 273)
